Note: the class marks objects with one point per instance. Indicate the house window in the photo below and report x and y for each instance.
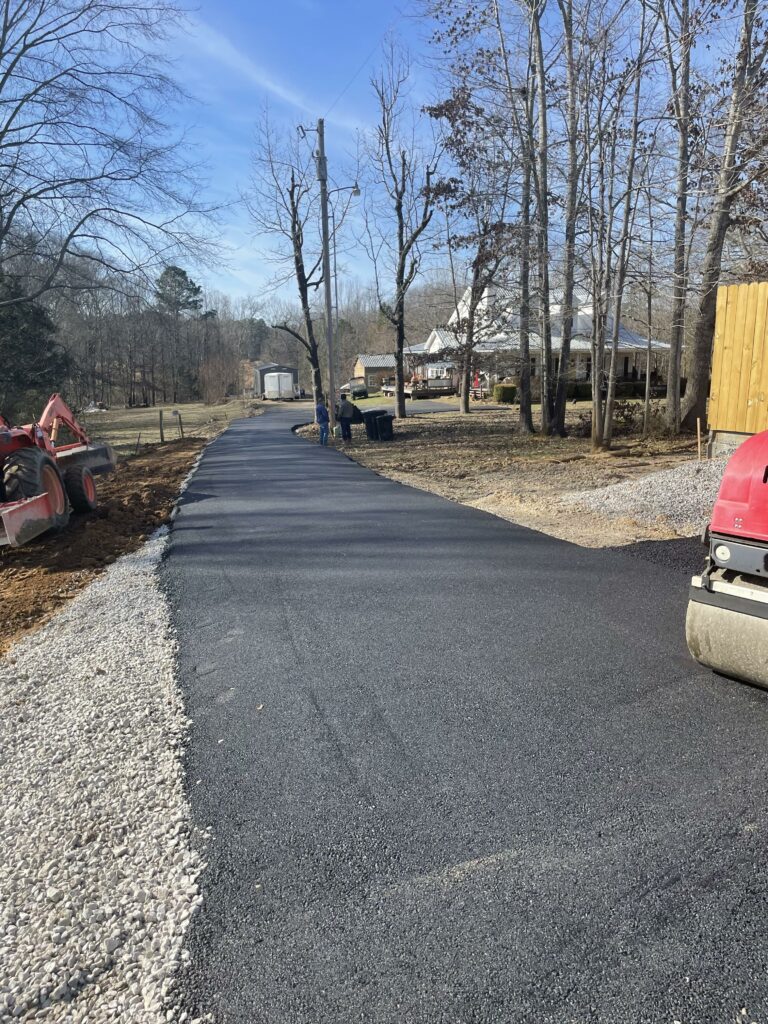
(373, 380)
(533, 366)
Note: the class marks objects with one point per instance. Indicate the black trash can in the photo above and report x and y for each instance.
(384, 424)
(369, 418)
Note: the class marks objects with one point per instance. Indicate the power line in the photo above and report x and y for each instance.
(374, 48)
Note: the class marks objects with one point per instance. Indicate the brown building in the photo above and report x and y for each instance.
(374, 369)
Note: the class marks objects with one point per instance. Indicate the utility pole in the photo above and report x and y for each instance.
(322, 177)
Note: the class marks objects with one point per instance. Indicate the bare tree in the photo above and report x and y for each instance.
(679, 40)
(91, 172)
(402, 206)
(742, 161)
(284, 207)
(519, 102)
(574, 166)
(479, 234)
(629, 202)
(540, 177)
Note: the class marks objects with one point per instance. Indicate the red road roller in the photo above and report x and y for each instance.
(727, 621)
(42, 478)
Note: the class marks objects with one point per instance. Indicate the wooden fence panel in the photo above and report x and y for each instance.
(717, 383)
(734, 328)
(739, 388)
(748, 346)
(758, 399)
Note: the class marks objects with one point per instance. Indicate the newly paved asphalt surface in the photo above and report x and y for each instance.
(454, 770)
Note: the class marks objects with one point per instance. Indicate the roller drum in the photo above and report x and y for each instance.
(732, 643)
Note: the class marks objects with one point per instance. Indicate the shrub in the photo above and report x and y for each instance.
(579, 391)
(583, 425)
(630, 389)
(505, 394)
(627, 416)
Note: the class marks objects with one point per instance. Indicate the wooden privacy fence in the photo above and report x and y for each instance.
(738, 397)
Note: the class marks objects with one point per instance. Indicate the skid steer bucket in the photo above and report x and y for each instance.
(99, 458)
(21, 521)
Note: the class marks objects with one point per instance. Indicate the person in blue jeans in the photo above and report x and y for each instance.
(323, 419)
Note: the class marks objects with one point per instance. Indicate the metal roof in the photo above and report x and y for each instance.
(377, 362)
(509, 341)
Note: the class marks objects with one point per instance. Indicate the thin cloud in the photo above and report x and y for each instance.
(217, 47)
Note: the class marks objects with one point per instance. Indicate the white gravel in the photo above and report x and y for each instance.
(680, 498)
(98, 879)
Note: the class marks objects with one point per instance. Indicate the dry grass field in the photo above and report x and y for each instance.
(129, 429)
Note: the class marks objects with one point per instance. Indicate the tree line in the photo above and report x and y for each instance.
(614, 148)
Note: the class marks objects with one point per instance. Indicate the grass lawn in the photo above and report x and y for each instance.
(412, 404)
(373, 401)
(125, 428)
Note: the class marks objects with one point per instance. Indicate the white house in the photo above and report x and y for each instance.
(499, 341)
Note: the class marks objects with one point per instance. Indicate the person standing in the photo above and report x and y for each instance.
(346, 412)
(323, 418)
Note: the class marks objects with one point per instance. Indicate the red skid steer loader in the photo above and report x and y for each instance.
(41, 480)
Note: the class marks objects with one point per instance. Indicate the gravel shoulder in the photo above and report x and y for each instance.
(652, 490)
(98, 876)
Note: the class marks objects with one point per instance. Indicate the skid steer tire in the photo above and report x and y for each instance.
(81, 489)
(29, 472)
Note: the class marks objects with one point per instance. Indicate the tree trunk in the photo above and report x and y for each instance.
(525, 134)
(695, 404)
(704, 328)
(572, 180)
(626, 227)
(526, 416)
(400, 412)
(465, 382)
(317, 379)
(477, 288)
(542, 236)
(681, 83)
(649, 328)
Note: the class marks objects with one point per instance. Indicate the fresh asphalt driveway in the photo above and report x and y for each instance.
(454, 770)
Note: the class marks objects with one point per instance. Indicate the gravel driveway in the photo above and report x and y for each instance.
(681, 497)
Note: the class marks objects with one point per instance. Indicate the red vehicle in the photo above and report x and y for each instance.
(43, 480)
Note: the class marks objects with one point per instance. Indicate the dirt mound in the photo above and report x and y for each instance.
(37, 579)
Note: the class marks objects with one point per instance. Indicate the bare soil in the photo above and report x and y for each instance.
(483, 461)
(39, 578)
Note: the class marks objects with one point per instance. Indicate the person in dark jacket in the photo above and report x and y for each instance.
(323, 418)
(346, 413)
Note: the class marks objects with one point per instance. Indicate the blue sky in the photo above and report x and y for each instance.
(308, 59)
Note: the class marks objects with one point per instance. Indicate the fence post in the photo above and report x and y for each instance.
(162, 432)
